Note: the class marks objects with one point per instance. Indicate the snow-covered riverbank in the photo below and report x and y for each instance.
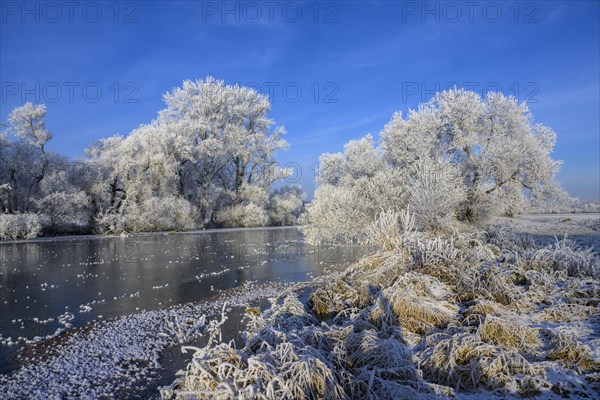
(118, 358)
(467, 314)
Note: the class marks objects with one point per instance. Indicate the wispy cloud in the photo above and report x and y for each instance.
(339, 127)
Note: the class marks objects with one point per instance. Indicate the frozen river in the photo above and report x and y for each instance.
(56, 284)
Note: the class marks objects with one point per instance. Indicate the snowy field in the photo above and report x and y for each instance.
(584, 229)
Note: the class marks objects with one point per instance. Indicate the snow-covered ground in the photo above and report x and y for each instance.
(583, 228)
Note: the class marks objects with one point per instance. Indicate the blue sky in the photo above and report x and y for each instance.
(336, 70)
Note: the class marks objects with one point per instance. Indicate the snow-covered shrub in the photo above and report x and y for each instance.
(165, 213)
(345, 211)
(385, 230)
(255, 194)
(436, 191)
(337, 214)
(153, 214)
(354, 187)
(14, 226)
(252, 201)
(249, 215)
(67, 212)
(286, 204)
(68, 208)
(108, 222)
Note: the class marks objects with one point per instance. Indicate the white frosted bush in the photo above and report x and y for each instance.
(66, 211)
(336, 214)
(285, 205)
(458, 155)
(165, 213)
(385, 231)
(154, 214)
(110, 222)
(390, 229)
(14, 226)
(354, 187)
(249, 215)
(436, 191)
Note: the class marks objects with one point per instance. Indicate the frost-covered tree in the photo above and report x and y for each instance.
(557, 200)
(501, 153)
(5, 176)
(36, 181)
(107, 187)
(25, 161)
(28, 122)
(212, 146)
(458, 155)
(68, 208)
(14, 226)
(353, 187)
(286, 204)
(207, 159)
(223, 136)
(135, 181)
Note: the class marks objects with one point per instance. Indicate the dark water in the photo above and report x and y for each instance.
(44, 279)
